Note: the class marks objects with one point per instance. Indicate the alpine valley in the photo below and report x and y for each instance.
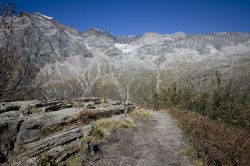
(70, 63)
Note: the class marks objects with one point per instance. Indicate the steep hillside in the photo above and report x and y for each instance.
(98, 63)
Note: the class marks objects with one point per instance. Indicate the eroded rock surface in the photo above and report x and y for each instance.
(29, 129)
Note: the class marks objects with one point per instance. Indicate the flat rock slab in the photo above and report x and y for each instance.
(65, 112)
(33, 127)
(16, 105)
(36, 148)
(156, 143)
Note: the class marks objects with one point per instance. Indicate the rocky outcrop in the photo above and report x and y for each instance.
(29, 132)
(59, 153)
(33, 130)
(53, 105)
(36, 148)
(10, 123)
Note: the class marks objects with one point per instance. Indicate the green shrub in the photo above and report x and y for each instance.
(98, 133)
(218, 103)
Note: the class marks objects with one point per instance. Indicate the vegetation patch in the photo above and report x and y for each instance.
(214, 142)
(221, 102)
(86, 116)
(46, 131)
(193, 152)
(140, 114)
(102, 126)
(108, 124)
(75, 160)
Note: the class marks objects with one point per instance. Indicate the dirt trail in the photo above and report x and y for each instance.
(156, 143)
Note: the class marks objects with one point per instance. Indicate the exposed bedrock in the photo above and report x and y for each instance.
(31, 130)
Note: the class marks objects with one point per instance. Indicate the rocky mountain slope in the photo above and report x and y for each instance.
(98, 63)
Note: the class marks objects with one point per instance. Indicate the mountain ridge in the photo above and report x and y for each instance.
(99, 63)
(106, 31)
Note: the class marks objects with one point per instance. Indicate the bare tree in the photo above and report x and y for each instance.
(15, 68)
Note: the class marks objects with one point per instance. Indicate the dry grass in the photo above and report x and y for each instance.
(86, 116)
(113, 123)
(75, 160)
(192, 152)
(140, 114)
(216, 143)
(103, 126)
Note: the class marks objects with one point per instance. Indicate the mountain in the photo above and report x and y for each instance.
(99, 63)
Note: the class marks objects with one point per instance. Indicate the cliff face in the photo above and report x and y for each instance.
(99, 63)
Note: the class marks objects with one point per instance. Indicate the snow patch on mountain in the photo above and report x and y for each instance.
(125, 48)
(96, 29)
(47, 17)
(87, 46)
(51, 32)
(72, 36)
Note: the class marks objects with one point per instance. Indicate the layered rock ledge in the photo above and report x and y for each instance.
(31, 129)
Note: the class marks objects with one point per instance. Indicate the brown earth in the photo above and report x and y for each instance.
(157, 142)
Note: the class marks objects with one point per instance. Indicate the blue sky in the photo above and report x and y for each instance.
(127, 17)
